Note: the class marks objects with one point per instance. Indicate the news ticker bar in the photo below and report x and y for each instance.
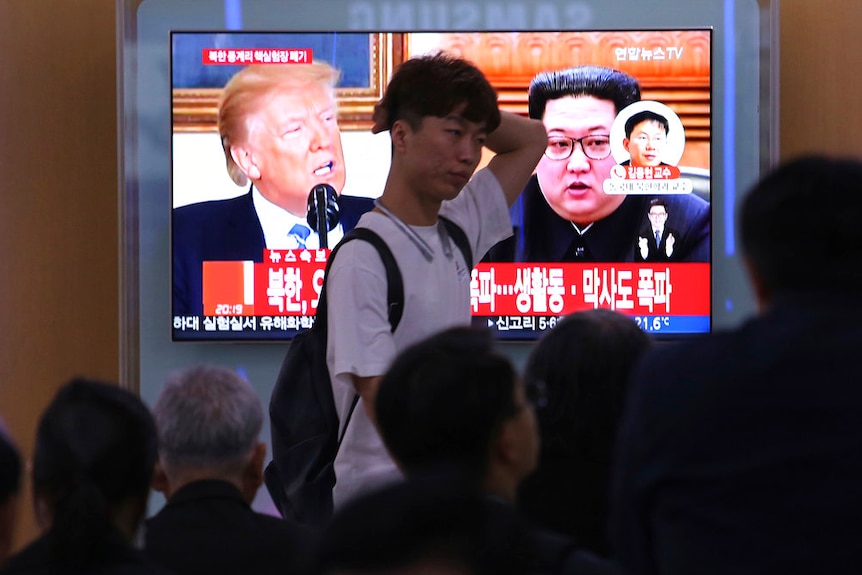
(507, 327)
(288, 283)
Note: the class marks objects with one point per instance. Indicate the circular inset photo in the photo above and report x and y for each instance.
(647, 133)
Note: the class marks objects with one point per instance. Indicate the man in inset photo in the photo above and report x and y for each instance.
(656, 242)
(646, 136)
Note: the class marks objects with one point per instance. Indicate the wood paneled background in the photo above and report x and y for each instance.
(59, 295)
(59, 301)
(821, 87)
(511, 60)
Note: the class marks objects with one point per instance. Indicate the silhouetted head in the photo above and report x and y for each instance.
(583, 364)
(454, 399)
(95, 452)
(209, 421)
(800, 227)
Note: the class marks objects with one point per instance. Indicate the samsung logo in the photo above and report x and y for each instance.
(462, 15)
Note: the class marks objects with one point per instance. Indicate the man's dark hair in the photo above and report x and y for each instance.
(646, 116)
(96, 447)
(434, 85)
(596, 81)
(444, 399)
(800, 225)
(657, 202)
(583, 364)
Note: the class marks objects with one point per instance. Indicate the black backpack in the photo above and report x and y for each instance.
(303, 419)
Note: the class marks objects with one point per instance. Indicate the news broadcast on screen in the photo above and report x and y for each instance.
(646, 254)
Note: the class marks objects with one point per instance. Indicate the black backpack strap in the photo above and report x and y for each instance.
(460, 238)
(394, 282)
(394, 291)
(395, 285)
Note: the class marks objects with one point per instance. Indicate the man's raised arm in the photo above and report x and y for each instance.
(519, 144)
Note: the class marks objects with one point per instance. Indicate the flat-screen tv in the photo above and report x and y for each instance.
(653, 263)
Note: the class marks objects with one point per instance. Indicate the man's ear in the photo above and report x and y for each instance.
(160, 481)
(626, 144)
(244, 158)
(252, 474)
(400, 132)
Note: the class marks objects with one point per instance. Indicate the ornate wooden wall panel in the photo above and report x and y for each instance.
(510, 60)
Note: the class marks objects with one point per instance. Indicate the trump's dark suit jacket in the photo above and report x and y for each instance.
(741, 452)
(207, 528)
(225, 230)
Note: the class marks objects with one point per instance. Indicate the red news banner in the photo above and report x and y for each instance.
(240, 56)
(288, 284)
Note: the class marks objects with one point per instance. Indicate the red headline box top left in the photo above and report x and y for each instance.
(241, 56)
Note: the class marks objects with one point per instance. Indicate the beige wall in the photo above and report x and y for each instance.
(821, 88)
(58, 230)
(58, 214)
